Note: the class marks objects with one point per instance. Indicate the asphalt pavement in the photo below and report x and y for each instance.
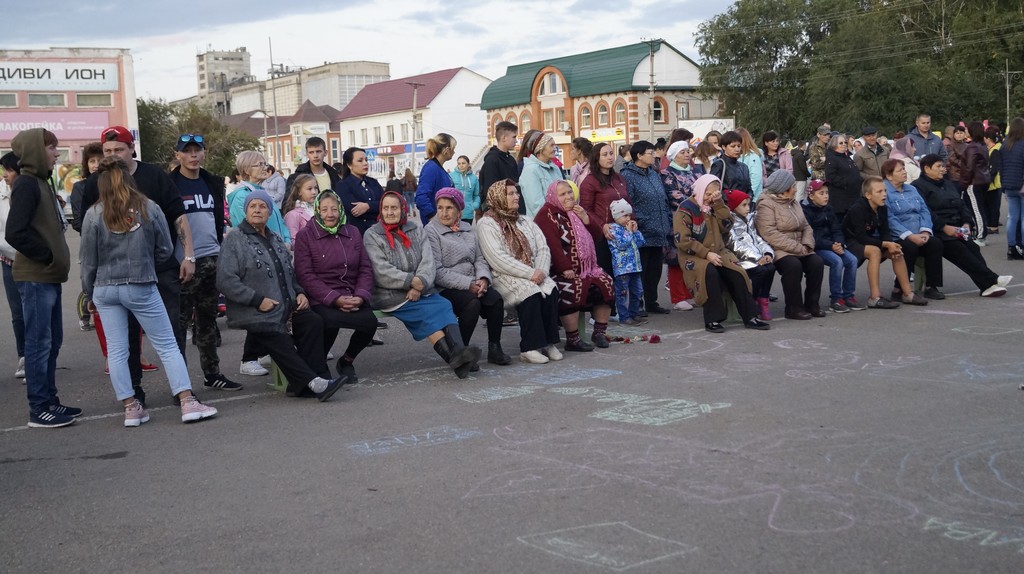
(874, 441)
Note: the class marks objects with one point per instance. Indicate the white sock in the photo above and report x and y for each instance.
(318, 385)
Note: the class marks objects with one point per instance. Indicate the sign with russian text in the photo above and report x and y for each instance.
(58, 76)
(65, 125)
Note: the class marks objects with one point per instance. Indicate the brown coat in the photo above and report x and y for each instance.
(695, 241)
(868, 163)
(782, 224)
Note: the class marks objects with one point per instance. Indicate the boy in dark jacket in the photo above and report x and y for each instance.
(830, 245)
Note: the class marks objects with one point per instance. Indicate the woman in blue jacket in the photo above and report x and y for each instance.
(910, 223)
(466, 182)
(433, 176)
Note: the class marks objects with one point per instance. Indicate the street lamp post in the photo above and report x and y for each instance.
(415, 87)
(1009, 76)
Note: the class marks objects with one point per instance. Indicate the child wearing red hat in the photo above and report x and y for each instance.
(754, 253)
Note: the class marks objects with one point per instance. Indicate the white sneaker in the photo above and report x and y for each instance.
(552, 352)
(20, 373)
(994, 291)
(1004, 280)
(265, 361)
(330, 355)
(534, 357)
(683, 306)
(252, 368)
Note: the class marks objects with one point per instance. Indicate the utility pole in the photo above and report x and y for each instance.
(650, 92)
(1009, 76)
(415, 87)
(273, 94)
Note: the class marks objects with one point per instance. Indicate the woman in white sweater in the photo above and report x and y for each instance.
(518, 255)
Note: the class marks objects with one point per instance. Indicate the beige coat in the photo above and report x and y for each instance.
(693, 251)
(782, 224)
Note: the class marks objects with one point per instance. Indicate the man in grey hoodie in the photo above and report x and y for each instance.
(35, 228)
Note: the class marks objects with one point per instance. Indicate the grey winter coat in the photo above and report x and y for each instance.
(394, 269)
(457, 256)
(250, 268)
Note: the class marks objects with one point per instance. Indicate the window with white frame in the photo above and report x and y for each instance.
(551, 85)
(602, 115)
(658, 112)
(620, 113)
(46, 101)
(585, 118)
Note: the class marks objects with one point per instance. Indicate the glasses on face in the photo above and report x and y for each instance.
(841, 143)
(260, 165)
(191, 138)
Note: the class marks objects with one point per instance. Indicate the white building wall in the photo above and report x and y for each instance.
(456, 111)
(670, 69)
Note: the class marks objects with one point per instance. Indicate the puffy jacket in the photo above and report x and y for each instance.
(432, 178)
(534, 182)
(908, 213)
(650, 207)
(827, 227)
(745, 242)
(1012, 173)
(782, 224)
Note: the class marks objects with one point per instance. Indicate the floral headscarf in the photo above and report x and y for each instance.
(507, 218)
(393, 229)
(584, 241)
(316, 212)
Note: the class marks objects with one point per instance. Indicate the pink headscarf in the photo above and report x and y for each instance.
(584, 242)
(700, 186)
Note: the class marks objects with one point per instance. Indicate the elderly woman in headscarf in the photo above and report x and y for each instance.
(462, 273)
(404, 274)
(701, 232)
(538, 171)
(254, 272)
(903, 150)
(334, 269)
(582, 284)
(519, 258)
(781, 222)
(678, 178)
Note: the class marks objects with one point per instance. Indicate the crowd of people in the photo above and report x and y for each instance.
(329, 249)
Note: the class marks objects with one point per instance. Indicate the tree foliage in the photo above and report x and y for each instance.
(160, 125)
(789, 65)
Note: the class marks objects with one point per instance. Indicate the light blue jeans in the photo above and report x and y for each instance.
(1014, 225)
(143, 299)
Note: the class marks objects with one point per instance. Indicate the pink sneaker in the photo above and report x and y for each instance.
(135, 415)
(193, 410)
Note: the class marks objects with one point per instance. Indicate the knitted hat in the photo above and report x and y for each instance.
(779, 182)
(452, 194)
(620, 207)
(674, 149)
(734, 198)
(260, 195)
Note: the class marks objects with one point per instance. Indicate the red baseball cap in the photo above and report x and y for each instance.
(117, 133)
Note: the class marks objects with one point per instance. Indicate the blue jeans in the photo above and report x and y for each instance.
(629, 291)
(1014, 227)
(44, 334)
(14, 302)
(842, 273)
(143, 300)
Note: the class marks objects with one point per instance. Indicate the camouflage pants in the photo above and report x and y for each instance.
(199, 301)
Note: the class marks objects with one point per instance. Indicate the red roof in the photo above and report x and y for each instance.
(396, 95)
(309, 112)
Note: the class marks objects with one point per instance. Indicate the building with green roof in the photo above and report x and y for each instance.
(603, 95)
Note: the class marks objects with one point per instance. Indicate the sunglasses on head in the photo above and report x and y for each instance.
(191, 138)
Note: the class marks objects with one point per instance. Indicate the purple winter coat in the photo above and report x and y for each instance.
(331, 266)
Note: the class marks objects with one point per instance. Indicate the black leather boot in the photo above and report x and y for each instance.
(496, 355)
(459, 357)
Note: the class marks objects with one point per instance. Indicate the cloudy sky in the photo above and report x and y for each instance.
(414, 37)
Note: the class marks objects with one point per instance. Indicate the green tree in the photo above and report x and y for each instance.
(160, 125)
(789, 65)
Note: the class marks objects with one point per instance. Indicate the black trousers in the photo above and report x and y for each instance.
(967, 256)
(362, 321)
(469, 308)
(170, 292)
(604, 255)
(761, 279)
(793, 270)
(538, 321)
(993, 201)
(300, 356)
(932, 253)
(652, 259)
(720, 279)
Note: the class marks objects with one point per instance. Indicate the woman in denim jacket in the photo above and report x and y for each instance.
(131, 233)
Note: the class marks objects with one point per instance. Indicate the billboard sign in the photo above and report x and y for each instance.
(58, 76)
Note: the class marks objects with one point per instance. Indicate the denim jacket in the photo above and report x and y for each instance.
(131, 257)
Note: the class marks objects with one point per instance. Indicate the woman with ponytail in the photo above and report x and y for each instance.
(124, 237)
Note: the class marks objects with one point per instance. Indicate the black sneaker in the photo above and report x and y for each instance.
(59, 409)
(346, 369)
(49, 420)
(934, 293)
(219, 382)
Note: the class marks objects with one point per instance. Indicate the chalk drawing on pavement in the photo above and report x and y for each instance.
(799, 344)
(534, 480)
(614, 545)
(429, 437)
(495, 393)
(985, 331)
(972, 534)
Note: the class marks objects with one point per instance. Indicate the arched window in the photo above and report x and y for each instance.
(602, 115)
(620, 113)
(551, 85)
(524, 123)
(658, 112)
(511, 117)
(585, 117)
(494, 124)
